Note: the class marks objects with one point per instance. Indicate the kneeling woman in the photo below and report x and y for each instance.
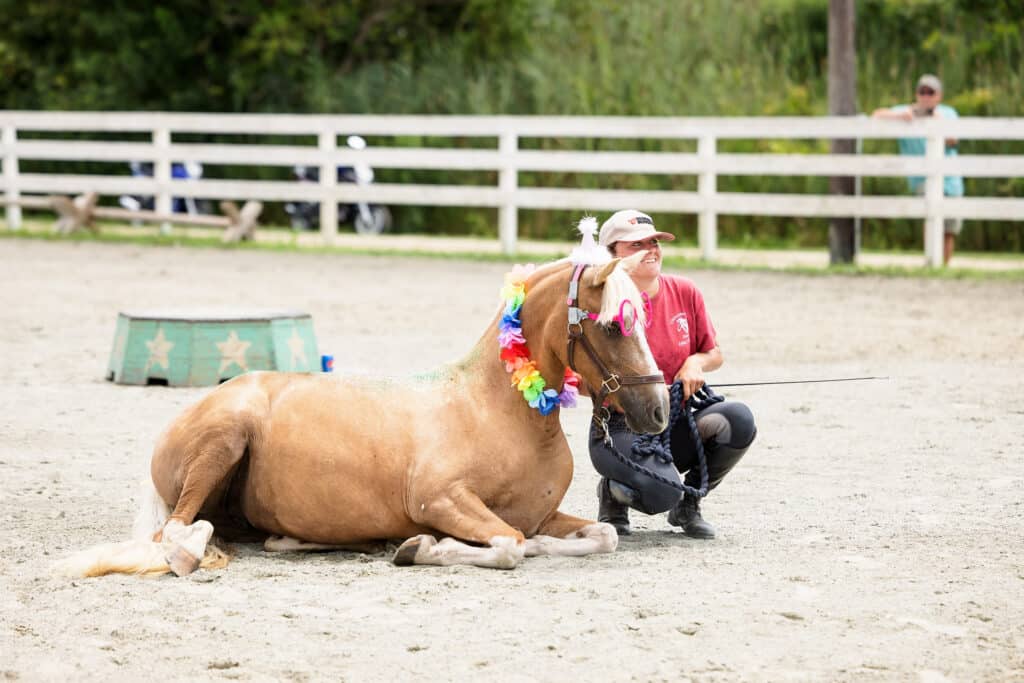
(683, 342)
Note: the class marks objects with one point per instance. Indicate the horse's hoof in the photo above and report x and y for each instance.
(182, 562)
(405, 556)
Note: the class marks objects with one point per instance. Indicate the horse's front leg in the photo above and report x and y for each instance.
(565, 535)
(461, 514)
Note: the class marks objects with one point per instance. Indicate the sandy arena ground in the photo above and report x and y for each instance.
(874, 532)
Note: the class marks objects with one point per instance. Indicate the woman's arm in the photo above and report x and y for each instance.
(886, 113)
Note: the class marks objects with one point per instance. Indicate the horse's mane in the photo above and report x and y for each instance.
(620, 287)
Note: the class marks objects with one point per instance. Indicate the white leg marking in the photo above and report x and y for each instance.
(185, 545)
(193, 538)
(593, 538)
(503, 553)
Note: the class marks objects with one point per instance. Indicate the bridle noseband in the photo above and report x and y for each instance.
(610, 381)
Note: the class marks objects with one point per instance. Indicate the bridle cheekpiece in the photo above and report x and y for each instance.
(610, 381)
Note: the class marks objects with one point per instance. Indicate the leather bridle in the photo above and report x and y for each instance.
(610, 381)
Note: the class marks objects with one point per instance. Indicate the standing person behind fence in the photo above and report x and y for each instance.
(685, 346)
(928, 102)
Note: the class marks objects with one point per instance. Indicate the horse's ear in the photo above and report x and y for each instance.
(605, 271)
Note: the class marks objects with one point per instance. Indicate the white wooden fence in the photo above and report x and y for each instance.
(508, 159)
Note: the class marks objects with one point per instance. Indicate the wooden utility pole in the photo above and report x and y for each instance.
(842, 101)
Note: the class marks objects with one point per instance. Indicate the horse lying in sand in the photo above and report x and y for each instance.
(312, 462)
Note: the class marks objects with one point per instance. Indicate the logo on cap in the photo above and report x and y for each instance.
(641, 219)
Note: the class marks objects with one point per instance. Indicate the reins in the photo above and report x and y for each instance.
(660, 445)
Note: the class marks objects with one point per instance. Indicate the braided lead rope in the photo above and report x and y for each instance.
(660, 444)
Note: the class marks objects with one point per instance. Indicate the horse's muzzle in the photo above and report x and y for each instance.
(646, 408)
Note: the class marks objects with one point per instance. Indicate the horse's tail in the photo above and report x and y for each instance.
(141, 555)
(152, 515)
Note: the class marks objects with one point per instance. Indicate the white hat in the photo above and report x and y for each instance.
(630, 225)
(930, 81)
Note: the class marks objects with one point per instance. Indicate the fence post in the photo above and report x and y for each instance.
(858, 187)
(707, 187)
(508, 183)
(328, 143)
(10, 138)
(933, 193)
(162, 174)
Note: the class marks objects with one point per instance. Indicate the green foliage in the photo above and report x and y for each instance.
(551, 57)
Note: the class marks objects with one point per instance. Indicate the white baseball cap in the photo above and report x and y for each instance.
(930, 81)
(630, 225)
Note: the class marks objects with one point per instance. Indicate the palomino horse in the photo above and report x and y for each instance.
(323, 462)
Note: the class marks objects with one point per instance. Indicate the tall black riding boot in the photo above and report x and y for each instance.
(686, 514)
(610, 510)
(727, 430)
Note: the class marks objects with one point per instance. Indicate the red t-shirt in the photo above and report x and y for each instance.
(681, 326)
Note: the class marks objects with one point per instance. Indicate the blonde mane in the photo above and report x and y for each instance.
(619, 287)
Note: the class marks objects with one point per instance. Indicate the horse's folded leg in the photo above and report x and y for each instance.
(506, 552)
(407, 553)
(186, 545)
(602, 537)
(503, 552)
(597, 537)
(540, 545)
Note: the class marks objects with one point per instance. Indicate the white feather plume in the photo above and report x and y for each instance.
(589, 251)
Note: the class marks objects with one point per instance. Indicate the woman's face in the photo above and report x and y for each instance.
(650, 267)
(928, 98)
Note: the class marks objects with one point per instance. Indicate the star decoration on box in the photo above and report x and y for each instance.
(158, 349)
(232, 350)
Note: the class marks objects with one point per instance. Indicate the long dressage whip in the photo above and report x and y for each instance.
(659, 445)
(796, 381)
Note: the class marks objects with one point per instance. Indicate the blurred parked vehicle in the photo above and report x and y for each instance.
(190, 170)
(367, 219)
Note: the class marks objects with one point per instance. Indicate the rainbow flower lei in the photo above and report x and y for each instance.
(525, 375)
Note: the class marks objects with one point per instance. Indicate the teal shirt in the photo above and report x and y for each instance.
(953, 185)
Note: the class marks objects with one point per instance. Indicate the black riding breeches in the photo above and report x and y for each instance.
(726, 429)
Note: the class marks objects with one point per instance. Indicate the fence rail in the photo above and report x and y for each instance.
(507, 159)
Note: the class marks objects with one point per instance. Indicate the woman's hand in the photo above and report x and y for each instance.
(692, 372)
(691, 375)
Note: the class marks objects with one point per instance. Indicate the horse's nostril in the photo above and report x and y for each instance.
(659, 415)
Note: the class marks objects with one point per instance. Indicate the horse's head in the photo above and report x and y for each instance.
(608, 347)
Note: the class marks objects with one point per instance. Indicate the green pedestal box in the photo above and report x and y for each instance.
(204, 348)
